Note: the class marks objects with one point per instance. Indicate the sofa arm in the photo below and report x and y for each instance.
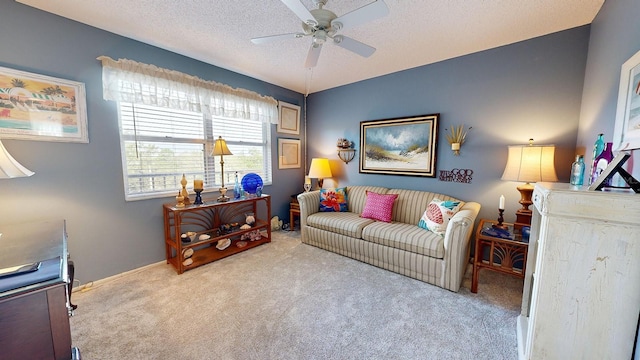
(309, 204)
(456, 245)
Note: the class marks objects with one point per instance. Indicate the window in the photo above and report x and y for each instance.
(159, 145)
(170, 120)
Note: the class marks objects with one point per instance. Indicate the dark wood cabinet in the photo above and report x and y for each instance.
(35, 306)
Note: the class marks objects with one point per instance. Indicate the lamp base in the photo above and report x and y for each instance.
(223, 197)
(523, 215)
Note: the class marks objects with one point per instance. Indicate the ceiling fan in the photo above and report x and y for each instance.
(322, 24)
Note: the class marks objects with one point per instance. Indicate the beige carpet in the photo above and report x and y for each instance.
(288, 300)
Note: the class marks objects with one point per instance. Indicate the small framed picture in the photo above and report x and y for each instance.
(289, 119)
(289, 153)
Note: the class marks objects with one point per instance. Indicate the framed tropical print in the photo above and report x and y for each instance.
(38, 107)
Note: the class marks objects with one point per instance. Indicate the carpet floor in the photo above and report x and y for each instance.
(288, 300)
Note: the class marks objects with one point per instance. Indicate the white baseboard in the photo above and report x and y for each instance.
(94, 284)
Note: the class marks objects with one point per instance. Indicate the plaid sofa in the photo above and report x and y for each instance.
(400, 246)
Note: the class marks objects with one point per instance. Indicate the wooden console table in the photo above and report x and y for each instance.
(210, 220)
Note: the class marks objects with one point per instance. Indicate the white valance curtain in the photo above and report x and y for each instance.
(130, 81)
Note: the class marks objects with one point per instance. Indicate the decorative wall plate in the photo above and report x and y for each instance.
(251, 182)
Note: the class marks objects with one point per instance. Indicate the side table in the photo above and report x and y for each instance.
(294, 210)
(503, 254)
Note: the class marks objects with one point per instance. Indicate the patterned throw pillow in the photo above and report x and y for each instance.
(438, 213)
(333, 200)
(378, 206)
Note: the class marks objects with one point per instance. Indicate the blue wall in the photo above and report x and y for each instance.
(530, 89)
(83, 182)
(615, 37)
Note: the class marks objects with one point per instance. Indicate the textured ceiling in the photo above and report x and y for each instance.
(415, 33)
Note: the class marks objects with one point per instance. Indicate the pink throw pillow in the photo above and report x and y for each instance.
(378, 206)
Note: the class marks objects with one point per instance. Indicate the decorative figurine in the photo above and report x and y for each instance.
(185, 193)
(179, 200)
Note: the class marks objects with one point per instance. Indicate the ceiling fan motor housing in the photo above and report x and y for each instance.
(324, 19)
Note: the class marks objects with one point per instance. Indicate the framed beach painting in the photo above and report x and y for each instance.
(402, 146)
(38, 107)
(626, 133)
(289, 118)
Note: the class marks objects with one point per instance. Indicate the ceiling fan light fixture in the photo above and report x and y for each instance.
(320, 37)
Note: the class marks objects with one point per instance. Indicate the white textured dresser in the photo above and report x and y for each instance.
(581, 297)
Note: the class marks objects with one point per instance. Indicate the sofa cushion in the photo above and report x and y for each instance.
(333, 200)
(406, 237)
(438, 213)
(358, 196)
(411, 204)
(378, 206)
(345, 223)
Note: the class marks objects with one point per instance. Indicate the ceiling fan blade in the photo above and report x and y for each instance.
(271, 38)
(314, 54)
(353, 45)
(369, 12)
(301, 11)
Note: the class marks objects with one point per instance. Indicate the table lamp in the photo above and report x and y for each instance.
(10, 167)
(220, 148)
(529, 163)
(320, 170)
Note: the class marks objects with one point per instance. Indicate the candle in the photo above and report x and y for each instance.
(307, 180)
(197, 184)
(501, 207)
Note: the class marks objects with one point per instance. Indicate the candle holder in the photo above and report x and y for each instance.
(500, 225)
(198, 200)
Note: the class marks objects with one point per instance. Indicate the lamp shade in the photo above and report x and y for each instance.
(319, 169)
(220, 147)
(9, 167)
(530, 163)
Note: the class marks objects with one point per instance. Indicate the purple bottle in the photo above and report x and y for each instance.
(601, 162)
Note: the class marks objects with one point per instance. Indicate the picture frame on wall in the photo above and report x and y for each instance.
(626, 133)
(400, 146)
(289, 153)
(43, 108)
(288, 119)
